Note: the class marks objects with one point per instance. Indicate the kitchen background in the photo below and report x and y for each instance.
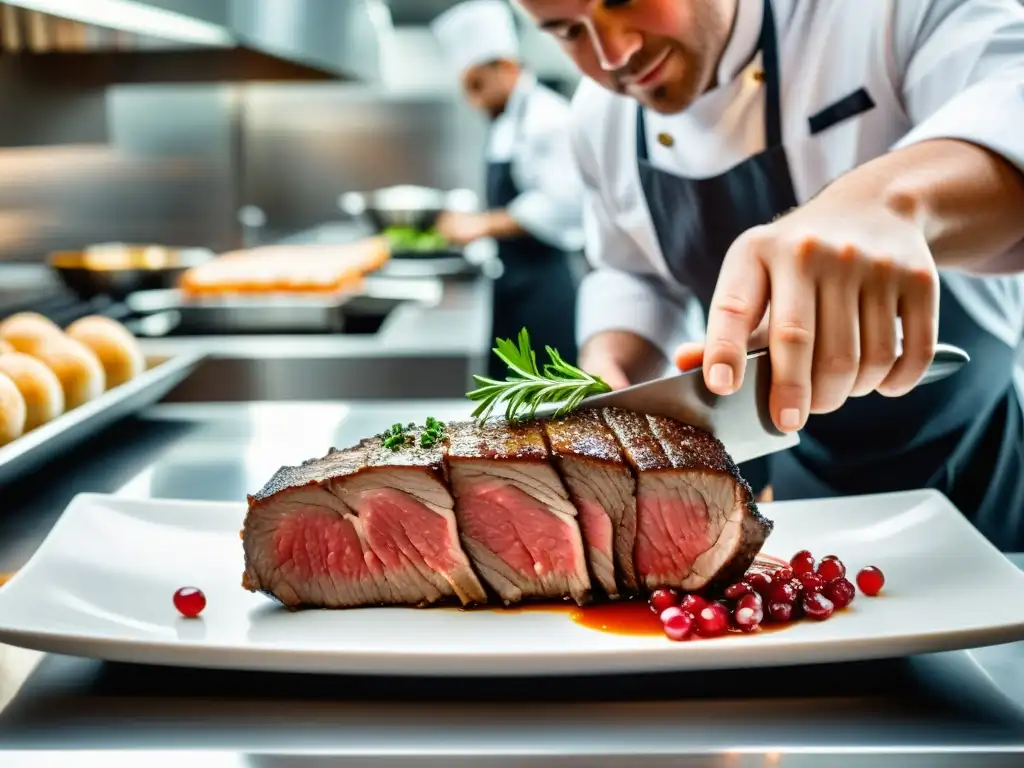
(279, 104)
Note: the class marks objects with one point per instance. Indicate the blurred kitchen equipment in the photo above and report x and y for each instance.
(117, 270)
(405, 206)
(232, 314)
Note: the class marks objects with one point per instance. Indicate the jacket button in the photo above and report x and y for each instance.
(665, 140)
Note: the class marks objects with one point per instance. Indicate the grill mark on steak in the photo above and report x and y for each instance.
(514, 514)
(697, 523)
(358, 527)
(601, 486)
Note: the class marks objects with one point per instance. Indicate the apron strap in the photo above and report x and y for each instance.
(772, 91)
(641, 135)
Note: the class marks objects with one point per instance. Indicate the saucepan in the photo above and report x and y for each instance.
(405, 206)
(117, 270)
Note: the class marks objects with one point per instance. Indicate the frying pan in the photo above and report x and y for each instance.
(117, 270)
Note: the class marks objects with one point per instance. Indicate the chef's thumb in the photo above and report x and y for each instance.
(689, 356)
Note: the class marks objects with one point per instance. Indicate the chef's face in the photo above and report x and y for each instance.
(488, 86)
(663, 53)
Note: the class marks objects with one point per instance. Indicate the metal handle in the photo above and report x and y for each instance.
(946, 361)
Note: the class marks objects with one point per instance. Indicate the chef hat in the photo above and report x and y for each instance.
(476, 32)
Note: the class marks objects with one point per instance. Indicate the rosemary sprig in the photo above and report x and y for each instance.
(528, 387)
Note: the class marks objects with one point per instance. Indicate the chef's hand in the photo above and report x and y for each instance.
(620, 358)
(461, 228)
(833, 277)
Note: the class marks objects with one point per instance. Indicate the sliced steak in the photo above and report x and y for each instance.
(601, 487)
(697, 523)
(514, 514)
(361, 526)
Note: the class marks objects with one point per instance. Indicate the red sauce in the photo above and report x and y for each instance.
(631, 617)
(635, 617)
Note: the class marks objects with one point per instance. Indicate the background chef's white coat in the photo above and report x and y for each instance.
(935, 68)
(534, 133)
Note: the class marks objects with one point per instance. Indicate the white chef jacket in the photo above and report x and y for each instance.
(533, 132)
(934, 68)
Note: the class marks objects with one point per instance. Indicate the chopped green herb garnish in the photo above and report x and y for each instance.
(395, 437)
(528, 387)
(433, 433)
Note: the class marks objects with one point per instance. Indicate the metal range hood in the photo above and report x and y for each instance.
(93, 43)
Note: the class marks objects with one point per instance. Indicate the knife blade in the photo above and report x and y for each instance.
(741, 420)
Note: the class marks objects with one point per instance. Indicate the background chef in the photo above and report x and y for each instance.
(534, 195)
(845, 166)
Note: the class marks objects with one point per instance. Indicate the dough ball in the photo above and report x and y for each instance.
(26, 331)
(6, 347)
(39, 386)
(77, 367)
(118, 350)
(12, 411)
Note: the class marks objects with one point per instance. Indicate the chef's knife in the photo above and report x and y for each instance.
(741, 420)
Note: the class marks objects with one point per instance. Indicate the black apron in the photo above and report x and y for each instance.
(537, 290)
(963, 436)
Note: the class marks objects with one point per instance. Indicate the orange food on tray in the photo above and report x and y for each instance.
(319, 269)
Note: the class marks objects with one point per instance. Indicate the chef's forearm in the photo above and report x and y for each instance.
(967, 200)
(501, 225)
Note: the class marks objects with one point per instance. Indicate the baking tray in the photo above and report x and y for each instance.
(278, 313)
(56, 437)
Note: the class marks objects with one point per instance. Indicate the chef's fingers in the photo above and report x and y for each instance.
(689, 355)
(759, 338)
(791, 333)
(608, 371)
(836, 335)
(918, 307)
(878, 308)
(737, 306)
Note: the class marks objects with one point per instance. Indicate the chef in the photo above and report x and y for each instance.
(821, 176)
(534, 194)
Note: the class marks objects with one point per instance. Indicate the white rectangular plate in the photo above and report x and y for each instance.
(102, 582)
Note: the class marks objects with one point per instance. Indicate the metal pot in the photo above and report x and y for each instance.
(405, 206)
(117, 270)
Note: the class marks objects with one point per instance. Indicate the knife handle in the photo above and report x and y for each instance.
(946, 361)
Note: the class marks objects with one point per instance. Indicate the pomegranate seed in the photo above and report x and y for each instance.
(736, 591)
(831, 568)
(668, 613)
(817, 606)
(780, 611)
(782, 593)
(811, 582)
(870, 580)
(662, 599)
(760, 582)
(693, 604)
(802, 562)
(189, 601)
(783, 574)
(749, 612)
(677, 623)
(840, 592)
(713, 620)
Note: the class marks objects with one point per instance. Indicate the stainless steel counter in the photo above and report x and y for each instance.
(944, 709)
